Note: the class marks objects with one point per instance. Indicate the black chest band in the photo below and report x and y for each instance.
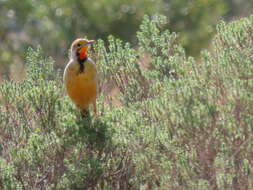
(81, 63)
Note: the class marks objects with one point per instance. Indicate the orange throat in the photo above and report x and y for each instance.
(82, 54)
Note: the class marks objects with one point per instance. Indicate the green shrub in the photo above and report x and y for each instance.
(181, 123)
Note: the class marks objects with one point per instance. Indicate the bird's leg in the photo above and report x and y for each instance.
(95, 107)
(84, 113)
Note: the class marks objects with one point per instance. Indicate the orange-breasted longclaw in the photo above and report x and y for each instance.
(80, 76)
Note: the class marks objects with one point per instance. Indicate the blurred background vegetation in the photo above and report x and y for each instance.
(175, 122)
(55, 24)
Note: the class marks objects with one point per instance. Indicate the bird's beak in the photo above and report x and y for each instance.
(90, 42)
(87, 44)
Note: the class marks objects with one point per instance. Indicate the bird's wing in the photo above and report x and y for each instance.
(70, 68)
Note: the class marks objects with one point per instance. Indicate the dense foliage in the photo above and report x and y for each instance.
(178, 123)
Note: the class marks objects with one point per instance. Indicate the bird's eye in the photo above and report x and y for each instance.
(78, 45)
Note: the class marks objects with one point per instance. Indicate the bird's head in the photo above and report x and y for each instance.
(80, 47)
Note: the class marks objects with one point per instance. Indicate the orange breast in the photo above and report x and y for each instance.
(82, 90)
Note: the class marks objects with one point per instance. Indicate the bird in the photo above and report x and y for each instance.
(80, 76)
